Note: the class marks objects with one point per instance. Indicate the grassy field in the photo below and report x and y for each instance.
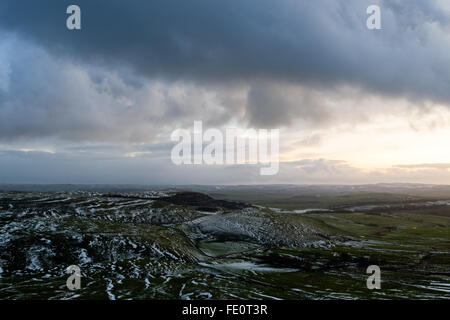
(133, 246)
(296, 197)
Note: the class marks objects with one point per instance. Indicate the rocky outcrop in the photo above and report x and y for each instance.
(203, 202)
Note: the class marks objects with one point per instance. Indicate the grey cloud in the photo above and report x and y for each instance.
(326, 171)
(26, 154)
(321, 43)
(418, 11)
(272, 105)
(42, 97)
(425, 166)
(41, 167)
(312, 140)
(138, 70)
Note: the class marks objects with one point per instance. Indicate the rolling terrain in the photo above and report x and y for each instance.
(262, 242)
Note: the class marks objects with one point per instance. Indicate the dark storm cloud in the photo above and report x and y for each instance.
(314, 43)
(42, 96)
(275, 105)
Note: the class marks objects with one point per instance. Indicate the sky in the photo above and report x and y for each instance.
(98, 105)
